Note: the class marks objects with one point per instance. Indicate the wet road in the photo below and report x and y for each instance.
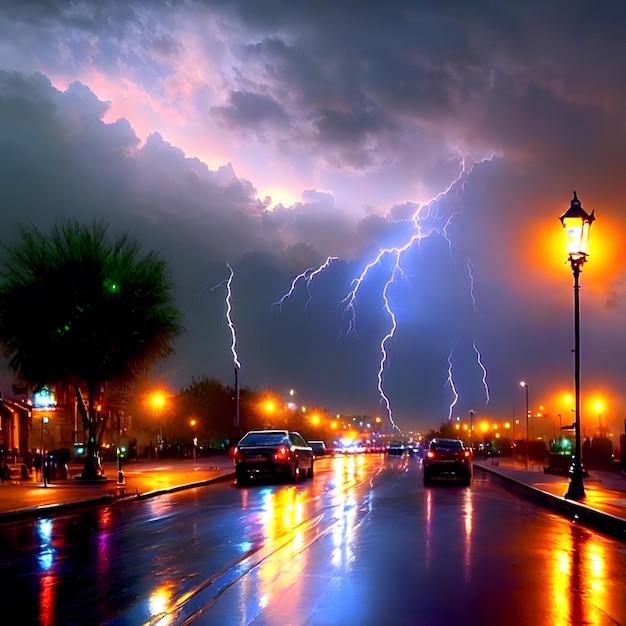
(363, 543)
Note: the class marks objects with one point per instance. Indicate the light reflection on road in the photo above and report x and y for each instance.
(159, 602)
(468, 513)
(578, 578)
(281, 579)
(288, 521)
(47, 583)
(428, 548)
(272, 550)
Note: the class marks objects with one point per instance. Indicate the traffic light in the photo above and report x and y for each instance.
(111, 285)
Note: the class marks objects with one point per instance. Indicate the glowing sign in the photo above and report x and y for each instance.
(44, 398)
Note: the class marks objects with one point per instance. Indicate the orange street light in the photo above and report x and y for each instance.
(158, 402)
(195, 438)
(158, 399)
(577, 224)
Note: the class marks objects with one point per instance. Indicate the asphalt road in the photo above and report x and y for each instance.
(363, 543)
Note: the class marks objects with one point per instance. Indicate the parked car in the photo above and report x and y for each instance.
(447, 459)
(319, 447)
(273, 453)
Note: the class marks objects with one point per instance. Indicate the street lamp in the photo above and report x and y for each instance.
(195, 438)
(44, 420)
(471, 432)
(599, 409)
(158, 400)
(237, 420)
(525, 385)
(577, 224)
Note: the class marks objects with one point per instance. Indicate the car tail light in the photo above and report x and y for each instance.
(237, 454)
(282, 453)
(467, 454)
(430, 454)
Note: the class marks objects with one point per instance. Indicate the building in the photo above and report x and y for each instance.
(15, 424)
(45, 420)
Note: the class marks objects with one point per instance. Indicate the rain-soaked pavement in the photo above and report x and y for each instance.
(363, 543)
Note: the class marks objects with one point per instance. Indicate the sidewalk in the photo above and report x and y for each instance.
(604, 507)
(29, 499)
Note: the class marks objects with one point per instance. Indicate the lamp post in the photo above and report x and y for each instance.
(525, 385)
(471, 432)
(158, 401)
(237, 423)
(599, 409)
(44, 420)
(195, 438)
(577, 224)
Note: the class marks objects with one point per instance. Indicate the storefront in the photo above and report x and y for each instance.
(15, 419)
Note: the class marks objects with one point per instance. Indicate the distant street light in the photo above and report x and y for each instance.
(44, 420)
(525, 385)
(577, 224)
(158, 401)
(195, 438)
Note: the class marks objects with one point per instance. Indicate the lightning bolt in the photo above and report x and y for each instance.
(386, 338)
(480, 363)
(425, 221)
(307, 276)
(229, 309)
(229, 318)
(470, 273)
(450, 382)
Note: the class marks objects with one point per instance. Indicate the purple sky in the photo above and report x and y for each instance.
(268, 136)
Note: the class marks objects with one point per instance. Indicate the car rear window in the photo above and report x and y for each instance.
(262, 439)
(447, 445)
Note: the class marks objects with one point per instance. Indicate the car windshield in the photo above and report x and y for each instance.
(263, 439)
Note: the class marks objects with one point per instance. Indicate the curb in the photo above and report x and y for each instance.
(576, 512)
(111, 499)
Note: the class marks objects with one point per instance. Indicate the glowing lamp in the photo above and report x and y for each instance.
(577, 224)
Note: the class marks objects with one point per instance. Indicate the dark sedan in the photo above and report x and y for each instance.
(273, 453)
(396, 449)
(447, 459)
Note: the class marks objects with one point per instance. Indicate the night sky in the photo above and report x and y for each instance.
(277, 136)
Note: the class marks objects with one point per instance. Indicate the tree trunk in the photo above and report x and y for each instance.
(91, 468)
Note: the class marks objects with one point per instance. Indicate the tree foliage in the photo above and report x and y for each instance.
(213, 406)
(81, 308)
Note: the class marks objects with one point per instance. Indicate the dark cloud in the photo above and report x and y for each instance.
(248, 110)
(472, 121)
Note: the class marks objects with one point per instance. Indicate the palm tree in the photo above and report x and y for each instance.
(80, 308)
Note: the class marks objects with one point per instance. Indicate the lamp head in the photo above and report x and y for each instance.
(577, 224)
